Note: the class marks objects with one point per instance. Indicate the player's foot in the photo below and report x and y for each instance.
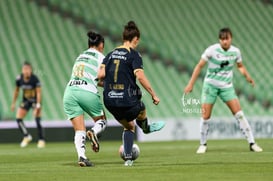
(26, 141)
(83, 162)
(41, 144)
(254, 147)
(94, 140)
(202, 149)
(128, 163)
(155, 126)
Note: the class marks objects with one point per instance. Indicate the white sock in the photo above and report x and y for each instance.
(79, 141)
(244, 126)
(99, 126)
(204, 129)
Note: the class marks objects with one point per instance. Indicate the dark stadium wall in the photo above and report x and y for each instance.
(56, 134)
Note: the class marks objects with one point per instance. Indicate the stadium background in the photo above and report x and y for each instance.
(51, 33)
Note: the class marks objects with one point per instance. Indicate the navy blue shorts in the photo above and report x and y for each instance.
(27, 105)
(126, 113)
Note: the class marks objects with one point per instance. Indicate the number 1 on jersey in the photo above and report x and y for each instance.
(116, 62)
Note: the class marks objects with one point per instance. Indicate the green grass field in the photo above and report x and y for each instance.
(225, 160)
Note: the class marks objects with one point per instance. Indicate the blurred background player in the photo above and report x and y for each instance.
(81, 95)
(122, 96)
(221, 57)
(32, 97)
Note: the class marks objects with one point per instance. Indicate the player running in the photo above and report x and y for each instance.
(32, 98)
(121, 95)
(81, 95)
(221, 58)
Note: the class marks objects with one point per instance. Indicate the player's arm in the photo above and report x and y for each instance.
(245, 73)
(100, 83)
(194, 76)
(101, 75)
(15, 95)
(139, 73)
(38, 97)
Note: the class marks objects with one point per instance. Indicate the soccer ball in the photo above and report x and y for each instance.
(135, 150)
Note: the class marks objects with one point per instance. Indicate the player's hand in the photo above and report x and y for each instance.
(12, 107)
(188, 89)
(251, 81)
(156, 100)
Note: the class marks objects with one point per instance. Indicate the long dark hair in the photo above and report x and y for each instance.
(94, 39)
(130, 31)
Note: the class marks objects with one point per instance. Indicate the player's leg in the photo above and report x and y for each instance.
(79, 139)
(204, 122)
(126, 117)
(204, 127)
(40, 131)
(128, 141)
(142, 120)
(21, 113)
(208, 98)
(100, 124)
(95, 110)
(97, 129)
(234, 106)
(76, 114)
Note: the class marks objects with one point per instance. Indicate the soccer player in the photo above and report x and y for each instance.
(81, 95)
(221, 57)
(31, 87)
(121, 95)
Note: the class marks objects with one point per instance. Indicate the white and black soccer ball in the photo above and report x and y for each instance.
(135, 151)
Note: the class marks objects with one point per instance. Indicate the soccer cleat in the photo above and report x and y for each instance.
(26, 141)
(254, 147)
(94, 140)
(202, 149)
(128, 163)
(41, 144)
(83, 162)
(155, 126)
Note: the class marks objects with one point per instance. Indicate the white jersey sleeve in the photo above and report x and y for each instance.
(207, 54)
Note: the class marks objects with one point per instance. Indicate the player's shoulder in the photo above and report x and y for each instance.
(101, 55)
(234, 48)
(214, 46)
(34, 78)
(19, 77)
(135, 54)
(211, 49)
(94, 51)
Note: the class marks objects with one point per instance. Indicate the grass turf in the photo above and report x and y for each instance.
(177, 160)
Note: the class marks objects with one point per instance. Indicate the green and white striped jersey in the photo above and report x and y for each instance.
(85, 69)
(220, 65)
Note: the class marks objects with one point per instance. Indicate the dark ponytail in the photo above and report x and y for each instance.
(94, 39)
(130, 31)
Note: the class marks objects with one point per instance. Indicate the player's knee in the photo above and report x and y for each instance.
(128, 125)
(206, 116)
(239, 114)
(141, 115)
(130, 128)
